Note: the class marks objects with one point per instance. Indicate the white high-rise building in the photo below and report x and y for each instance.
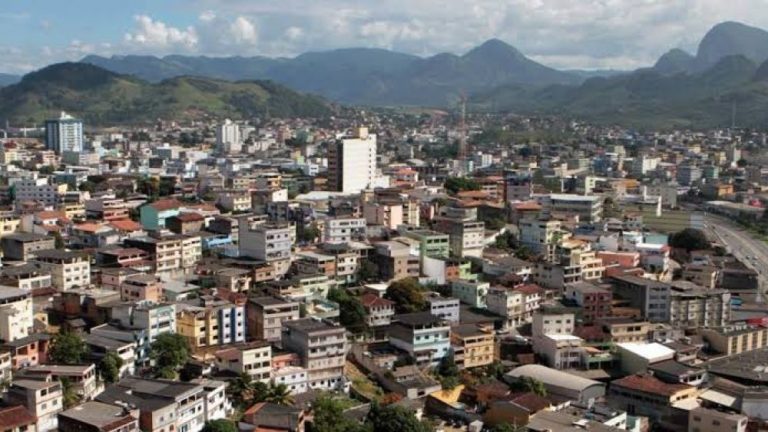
(64, 134)
(352, 163)
(228, 137)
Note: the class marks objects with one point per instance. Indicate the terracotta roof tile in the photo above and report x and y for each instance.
(15, 416)
(165, 204)
(649, 384)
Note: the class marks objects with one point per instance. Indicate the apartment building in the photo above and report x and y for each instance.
(379, 311)
(645, 395)
(69, 270)
(28, 277)
(595, 301)
(507, 303)
(652, 298)
(388, 215)
(344, 229)
(431, 243)
(703, 419)
(254, 358)
(266, 315)
(322, 347)
(553, 339)
(352, 163)
(625, 330)
(165, 251)
(425, 337)
(472, 346)
(154, 215)
(736, 340)
(81, 377)
(470, 292)
(541, 237)
(589, 209)
(141, 287)
(394, 261)
(38, 190)
(95, 416)
(43, 399)
(106, 209)
(271, 243)
(446, 308)
(23, 246)
(151, 319)
(691, 306)
(16, 314)
(313, 263)
(213, 323)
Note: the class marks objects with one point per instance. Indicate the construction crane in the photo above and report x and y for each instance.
(463, 150)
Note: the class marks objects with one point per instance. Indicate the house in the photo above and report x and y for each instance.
(23, 246)
(564, 385)
(68, 269)
(17, 418)
(95, 416)
(266, 315)
(141, 287)
(646, 395)
(29, 351)
(702, 419)
(43, 399)
(472, 346)
(81, 377)
(154, 216)
(322, 347)
(271, 417)
(253, 358)
(16, 314)
(425, 337)
(379, 310)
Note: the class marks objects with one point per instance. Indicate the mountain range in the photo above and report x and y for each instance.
(729, 70)
(103, 97)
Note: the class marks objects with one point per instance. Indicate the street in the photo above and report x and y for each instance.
(752, 251)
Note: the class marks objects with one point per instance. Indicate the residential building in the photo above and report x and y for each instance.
(38, 190)
(652, 298)
(594, 301)
(470, 292)
(267, 242)
(344, 229)
(394, 261)
(691, 306)
(43, 399)
(154, 215)
(82, 378)
(254, 358)
(472, 346)
(425, 337)
(645, 395)
(69, 270)
(431, 243)
(95, 416)
(352, 163)
(28, 277)
(141, 287)
(507, 303)
(228, 137)
(322, 347)
(266, 315)
(17, 418)
(16, 314)
(214, 322)
(623, 330)
(541, 237)
(702, 419)
(588, 208)
(446, 308)
(152, 318)
(736, 340)
(23, 246)
(64, 134)
(379, 311)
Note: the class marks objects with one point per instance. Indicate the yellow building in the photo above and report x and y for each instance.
(8, 224)
(624, 330)
(213, 324)
(472, 346)
(736, 340)
(73, 210)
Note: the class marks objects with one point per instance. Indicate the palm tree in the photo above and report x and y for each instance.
(279, 394)
(241, 389)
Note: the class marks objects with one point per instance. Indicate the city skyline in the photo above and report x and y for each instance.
(588, 35)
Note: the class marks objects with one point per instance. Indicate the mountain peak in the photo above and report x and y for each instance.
(494, 48)
(732, 38)
(70, 75)
(673, 62)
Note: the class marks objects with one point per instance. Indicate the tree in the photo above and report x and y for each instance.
(351, 312)
(109, 367)
(69, 393)
(448, 371)
(689, 239)
(279, 394)
(367, 271)
(46, 169)
(532, 385)
(407, 295)
(457, 184)
(87, 186)
(58, 240)
(221, 425)
(67, 348)
(308, 234)
(328, 416)
(169, 351)
(394, 418)
(742, 163)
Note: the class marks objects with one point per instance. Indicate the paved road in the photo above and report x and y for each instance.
(753, 252)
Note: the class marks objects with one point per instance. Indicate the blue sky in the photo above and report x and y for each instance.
(562, 33)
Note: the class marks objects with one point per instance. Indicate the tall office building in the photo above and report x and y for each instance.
(352, 163)
(228, 137)
(64, 134)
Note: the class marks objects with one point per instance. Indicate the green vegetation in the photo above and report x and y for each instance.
(102, 97)
(70, 396)
(351, 312)
(245, 392)
(67, 348)
(448, 372)
(109, 367)
(457, 184)
(508, 242)
(170, 351)
(407, 294)
(528, 384)
(393, 418)
(221, 425)
(329, 416)
(689, 239)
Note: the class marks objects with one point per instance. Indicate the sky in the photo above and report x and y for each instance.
(566, 34)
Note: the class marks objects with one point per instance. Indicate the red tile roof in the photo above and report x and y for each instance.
(370, 300)
(532, 402)
(649, 384)
(529, 289)
(190, 217)
(165, 204)
(125, 225)
(15, 416)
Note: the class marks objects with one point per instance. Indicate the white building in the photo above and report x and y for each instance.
(69, 270)
(352, 163)
(294, 377)
(255, 359)
(16, 316)
(446, 308)
(228, 138)
(267, 242)
(64, 134)
(342, 230)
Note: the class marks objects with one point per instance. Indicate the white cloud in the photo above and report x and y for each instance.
(156, 35)
(243, 31)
